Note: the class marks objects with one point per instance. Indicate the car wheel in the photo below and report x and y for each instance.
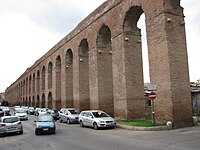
(3, 134)
(81, 124)
(95, 126)
(21, 132)
(68, 121)
(61, 120)
(36, 132)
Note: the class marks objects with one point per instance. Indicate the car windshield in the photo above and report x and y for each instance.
(10, 120)
(45, 118)
(100, 114)
(20, 111)
(73, 111)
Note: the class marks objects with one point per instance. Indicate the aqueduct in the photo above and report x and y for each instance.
(98, 65)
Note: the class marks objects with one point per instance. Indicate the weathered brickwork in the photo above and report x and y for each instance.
(99, 64)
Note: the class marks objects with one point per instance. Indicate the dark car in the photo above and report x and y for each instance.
(45, 124)
(1, 112)
(54, 114)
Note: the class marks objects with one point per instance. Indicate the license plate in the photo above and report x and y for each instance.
(45, 129)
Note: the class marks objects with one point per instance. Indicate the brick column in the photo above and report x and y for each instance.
(168, 62)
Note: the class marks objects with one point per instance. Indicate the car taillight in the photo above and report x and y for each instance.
(2, 125)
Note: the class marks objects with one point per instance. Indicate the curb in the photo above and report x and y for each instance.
(157, 128)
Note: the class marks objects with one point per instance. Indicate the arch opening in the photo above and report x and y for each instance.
(105, 75)
(50, 69)
(50, 99)
(43, 77)
(43, 101)
(58, 83)
(84, 94)
(135, 103)
(69, 78)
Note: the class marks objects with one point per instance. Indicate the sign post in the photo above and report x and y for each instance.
(152, 96)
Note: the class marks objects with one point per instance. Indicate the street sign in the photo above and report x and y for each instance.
(152, 95)
(151, 87)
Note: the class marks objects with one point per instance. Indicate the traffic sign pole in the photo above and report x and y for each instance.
(152, 96)
(153, 113)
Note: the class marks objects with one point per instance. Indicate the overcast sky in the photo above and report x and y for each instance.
(29, 28)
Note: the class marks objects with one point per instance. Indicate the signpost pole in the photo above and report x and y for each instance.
(152, 96)
(153, 113)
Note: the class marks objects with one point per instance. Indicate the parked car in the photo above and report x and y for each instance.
(69, 115)
(21, 113)
(36, 111)
(45, 124)
(31, 111)
(54, 114)
(5, 109)
(42, 111)
(25, 108)
(96, 119)
(9, 124)
(1, 112)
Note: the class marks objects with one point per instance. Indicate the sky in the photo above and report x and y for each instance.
(30, 28)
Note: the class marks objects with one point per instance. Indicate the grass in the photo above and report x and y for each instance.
(138, 123)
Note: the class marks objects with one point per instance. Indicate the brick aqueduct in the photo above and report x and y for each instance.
(99, 64)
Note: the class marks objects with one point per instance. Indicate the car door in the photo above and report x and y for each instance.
(89, 119)
(65, 115)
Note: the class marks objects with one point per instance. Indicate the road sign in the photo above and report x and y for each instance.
(151, 87)
(152, 95)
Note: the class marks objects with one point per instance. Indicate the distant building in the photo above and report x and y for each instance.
(2, 96)
(195, 94)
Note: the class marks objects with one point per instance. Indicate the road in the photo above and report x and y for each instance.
(69, 137)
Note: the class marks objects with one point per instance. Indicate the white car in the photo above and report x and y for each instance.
(96, 119)
(10, 124)
(21, 114)
(42, 111)
(69, 115)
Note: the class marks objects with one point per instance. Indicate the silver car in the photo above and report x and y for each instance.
(69, 115)
(96, 119)
(21, 114)
(10, 124)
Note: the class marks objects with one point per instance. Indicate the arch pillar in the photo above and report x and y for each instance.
(168, 62)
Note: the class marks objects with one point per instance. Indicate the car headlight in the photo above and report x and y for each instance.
(102, 121)
(52, 126)
(38, 126)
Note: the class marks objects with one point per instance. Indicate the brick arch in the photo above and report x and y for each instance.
(33, 83)
(38, 81)
(58, 83)
(69, 77)
(33, 101)
(43, 101)
(50, 100)
(104, 66)
(172, 4)
(30, 82)
(43, 77)
(134, 106)
(38, 101)
(84, 95)
(50, 69)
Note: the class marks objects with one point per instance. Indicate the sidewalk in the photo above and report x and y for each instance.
(156, 128)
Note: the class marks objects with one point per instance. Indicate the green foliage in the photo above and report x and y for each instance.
(138, 123)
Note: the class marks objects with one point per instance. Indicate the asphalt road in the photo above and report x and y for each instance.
(73, 137)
